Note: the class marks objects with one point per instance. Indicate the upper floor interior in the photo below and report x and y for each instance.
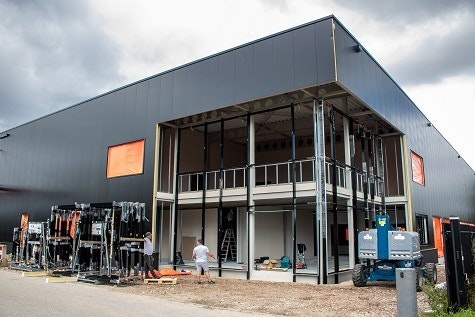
(213, 149)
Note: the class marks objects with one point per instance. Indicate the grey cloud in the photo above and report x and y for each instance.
(53, 55)
(279, 4)
(431, 57)
(403, 12)
(434, 58)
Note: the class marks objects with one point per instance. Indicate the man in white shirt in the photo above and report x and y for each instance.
(200, 255)
(147, 255)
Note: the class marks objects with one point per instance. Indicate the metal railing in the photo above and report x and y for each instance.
(281, 173)
(193, 182)
(269, 174)
(341, 175)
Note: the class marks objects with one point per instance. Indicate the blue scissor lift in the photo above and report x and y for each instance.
(383, 250)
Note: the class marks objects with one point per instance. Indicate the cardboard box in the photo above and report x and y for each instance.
(270, 264)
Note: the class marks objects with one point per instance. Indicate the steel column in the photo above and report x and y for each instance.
(320, 189)
(336, 251)
(381, 172)
(365, 180)
(371, 180)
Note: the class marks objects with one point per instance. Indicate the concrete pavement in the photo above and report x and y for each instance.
(32, 296)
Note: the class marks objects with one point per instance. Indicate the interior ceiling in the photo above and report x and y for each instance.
(274, 125)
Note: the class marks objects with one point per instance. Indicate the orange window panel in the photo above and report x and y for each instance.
(125, 159)
(418, 169)
(438, 236)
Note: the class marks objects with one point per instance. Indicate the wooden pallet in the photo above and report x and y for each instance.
(277, 269)
(33, 273)
(163, 280)
(61, 279)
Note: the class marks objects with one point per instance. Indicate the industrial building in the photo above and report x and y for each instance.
(287, 146)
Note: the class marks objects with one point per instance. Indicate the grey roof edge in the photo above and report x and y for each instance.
(397, 85)
(331, 16)
(397, 128)
(378, 64)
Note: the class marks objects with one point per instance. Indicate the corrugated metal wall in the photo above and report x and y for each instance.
(62, 158)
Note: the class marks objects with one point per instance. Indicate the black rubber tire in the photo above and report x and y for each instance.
(418, 280)
(430, 272)
(358, 275)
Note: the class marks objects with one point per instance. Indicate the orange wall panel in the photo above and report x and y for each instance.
(125, 159)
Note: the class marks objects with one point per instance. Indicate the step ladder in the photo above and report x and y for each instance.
(228, 246)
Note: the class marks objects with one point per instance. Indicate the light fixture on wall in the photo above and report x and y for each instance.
(5, 135)
(357, 48)
(429, 124)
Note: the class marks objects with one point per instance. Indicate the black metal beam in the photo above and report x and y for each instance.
(354, 185)
(203, 181)
(248, 189)
(294, 196)
(220, 203)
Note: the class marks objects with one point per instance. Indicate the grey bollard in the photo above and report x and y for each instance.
(406, 292)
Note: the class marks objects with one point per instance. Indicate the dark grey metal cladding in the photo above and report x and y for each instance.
(62, 158)
(450, 182)
(290, 60)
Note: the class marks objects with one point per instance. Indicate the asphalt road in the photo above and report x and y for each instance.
(32, 296)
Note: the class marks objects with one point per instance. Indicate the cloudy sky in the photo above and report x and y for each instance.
(57, 53)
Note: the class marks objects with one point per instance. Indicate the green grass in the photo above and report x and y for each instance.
(438, 301)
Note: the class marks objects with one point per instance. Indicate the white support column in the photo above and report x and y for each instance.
(351, 234)
(155, 185)
(407, 182)
(173, 205)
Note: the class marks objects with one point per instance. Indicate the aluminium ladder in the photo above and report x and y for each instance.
(228, 246)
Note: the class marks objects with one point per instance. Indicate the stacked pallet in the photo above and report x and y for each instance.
(163, 280)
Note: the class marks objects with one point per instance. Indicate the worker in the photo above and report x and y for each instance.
(200, 255)
(147, 255)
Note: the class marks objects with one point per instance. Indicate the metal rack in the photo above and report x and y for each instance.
(97, 241)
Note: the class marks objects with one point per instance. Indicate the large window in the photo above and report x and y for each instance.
(418, 169)
(125, 159)
(422, 228)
